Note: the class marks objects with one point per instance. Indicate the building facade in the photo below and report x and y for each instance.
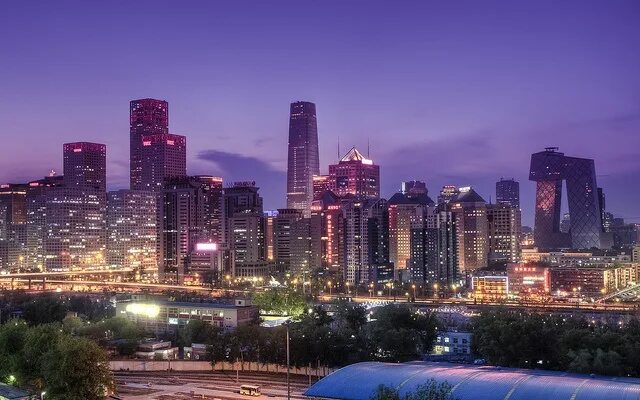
(549, 169)
(303, 160)
(508, 192)
(147, 117)
(355, 175)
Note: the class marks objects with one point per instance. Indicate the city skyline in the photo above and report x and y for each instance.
(578, 81)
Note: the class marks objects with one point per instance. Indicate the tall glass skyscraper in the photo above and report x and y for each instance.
(303, 159)
(548, 169)
(146, 117)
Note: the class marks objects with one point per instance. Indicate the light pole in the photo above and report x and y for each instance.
(413, 286)
(42, 395)
(329, 284)
(288, 365)
(348, 289)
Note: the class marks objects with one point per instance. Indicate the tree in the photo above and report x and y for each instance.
(197, 331)
(76, 369)
(44, 310)
(432, 390)
(281, 301)
(396, 333)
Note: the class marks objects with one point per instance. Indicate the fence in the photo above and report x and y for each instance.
(205, 366)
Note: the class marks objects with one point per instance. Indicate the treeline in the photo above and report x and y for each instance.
(47, 308)
(48, 358)
(391, 333)
(528, 340)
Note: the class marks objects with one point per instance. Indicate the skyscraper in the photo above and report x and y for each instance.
(508, 192)
(355, 175)
(132, 230)
(470, 213)
(303, 159)
(548, 169)
(85, 165)
(146, 117)
(405, 207)
(504, 233)
(164, 156)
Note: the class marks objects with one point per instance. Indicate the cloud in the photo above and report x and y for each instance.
(237, 167)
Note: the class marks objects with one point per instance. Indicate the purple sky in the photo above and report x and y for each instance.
(447, 92)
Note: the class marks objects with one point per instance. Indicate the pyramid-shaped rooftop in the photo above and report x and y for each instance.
(355, 155)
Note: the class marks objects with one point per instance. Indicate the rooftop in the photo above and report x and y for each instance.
(359, 381)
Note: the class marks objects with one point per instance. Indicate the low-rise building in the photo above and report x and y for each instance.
(157, 350)
(528, 280)
(160, 316)
(452, 343)
(490, 287)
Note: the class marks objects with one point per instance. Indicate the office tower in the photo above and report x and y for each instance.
(423, 262)
(445, 231)
(243, 217)
(355, 175)
(85, 165)
(364, 238)
(504, 233)
(548, 169)
(413, 188)
(292, 242)
(508, 192)
(147, 117)
(565, 223)
(13, 225)
(68, 215)
(403, 208)
(303, 159)
(36, 199)
(447, 193)
(269, 234)
(211, 188)
(190, 217)
(355, 241)
(470, 213)
(132, 230)
(380, 268)
(326, 235)
(164, 156)
(321, 183)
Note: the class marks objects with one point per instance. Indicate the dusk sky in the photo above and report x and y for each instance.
(449, 92)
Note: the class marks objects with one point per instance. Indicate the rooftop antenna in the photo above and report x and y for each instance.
(338, 148)
(368, 148)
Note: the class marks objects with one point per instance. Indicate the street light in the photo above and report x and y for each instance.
(371, 290)
(413, 286)
(329, 284)
(42, 395)
(348, 290)
(435, 290)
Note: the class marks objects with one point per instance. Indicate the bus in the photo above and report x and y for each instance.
(250, 390)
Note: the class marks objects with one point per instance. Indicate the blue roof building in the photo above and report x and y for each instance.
(469, 382)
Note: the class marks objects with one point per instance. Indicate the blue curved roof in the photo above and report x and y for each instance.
(359, 382)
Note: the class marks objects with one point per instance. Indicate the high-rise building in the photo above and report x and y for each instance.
(404, 207)
(75, 226)
(190, 216)
(132, 230)
(548, 169)
(85, 165)
(447, 193)
(13, 225)
(269, 233)
(147, 117)
(504, 233)
(445, 230)
(164, 156)
(508, 192)
(69, 220)
(326, 235)
(470, 213)
(303, 157)
(244, 231)
(36, 198)
(355, 175)
(292, 242)
(413, 188)
(321, 183)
